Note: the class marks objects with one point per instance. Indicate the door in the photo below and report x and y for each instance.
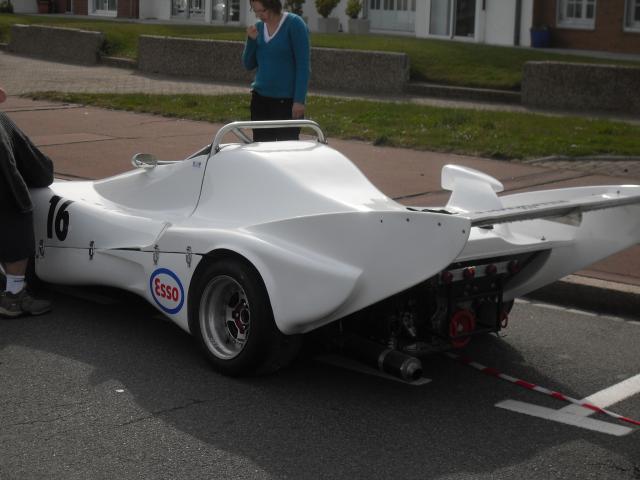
(452, 18)
(187, 9)
(225, 11)
(465, 19)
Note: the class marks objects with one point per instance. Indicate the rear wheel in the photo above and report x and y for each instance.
(231, 318)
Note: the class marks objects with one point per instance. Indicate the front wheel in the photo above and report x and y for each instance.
(231, 318)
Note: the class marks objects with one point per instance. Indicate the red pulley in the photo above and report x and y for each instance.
(462, 322)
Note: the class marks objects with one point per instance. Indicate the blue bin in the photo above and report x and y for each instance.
(540, 38)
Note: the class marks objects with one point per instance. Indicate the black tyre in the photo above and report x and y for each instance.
(231, 318)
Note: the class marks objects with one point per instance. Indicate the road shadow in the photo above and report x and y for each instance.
(310, 420)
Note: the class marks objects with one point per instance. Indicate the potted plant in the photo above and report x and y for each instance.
(356, 25)
(327, 24)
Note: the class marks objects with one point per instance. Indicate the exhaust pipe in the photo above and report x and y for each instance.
(385, 359)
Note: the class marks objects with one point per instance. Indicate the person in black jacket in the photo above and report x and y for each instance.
(22, 166)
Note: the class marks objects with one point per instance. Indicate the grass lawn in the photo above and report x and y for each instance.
(437, 61)
(501, 135)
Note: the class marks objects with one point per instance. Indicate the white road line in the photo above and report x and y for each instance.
(607, 397)
(576, 415)
(566, 418)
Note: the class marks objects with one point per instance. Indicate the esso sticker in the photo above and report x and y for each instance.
(166, 290)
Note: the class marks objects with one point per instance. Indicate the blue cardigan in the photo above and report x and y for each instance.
(283, 62)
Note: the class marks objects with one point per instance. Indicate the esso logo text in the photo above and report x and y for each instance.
(166, 290)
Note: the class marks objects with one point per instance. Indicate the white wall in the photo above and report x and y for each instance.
(527, 23)
(500, 22)
(25, 6)
(422, 18)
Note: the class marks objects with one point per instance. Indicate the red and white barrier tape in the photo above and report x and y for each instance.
(560, 396)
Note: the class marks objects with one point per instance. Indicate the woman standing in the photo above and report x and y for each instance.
(278, 47)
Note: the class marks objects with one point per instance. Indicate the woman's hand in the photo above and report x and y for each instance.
(252, 32)
(297, 111)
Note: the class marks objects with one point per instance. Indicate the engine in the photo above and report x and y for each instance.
(444, 312)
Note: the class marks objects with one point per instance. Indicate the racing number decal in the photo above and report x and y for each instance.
(61, 222)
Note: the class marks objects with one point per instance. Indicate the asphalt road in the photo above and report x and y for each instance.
(104, 388)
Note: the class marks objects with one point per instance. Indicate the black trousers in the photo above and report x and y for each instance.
(269, 108)
(17, 240)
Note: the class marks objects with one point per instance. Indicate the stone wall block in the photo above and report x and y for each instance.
(331, 69)
(58, 44)
(581, 87)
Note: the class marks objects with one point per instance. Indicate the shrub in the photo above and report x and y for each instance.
(294, 6)
(354, 7)
(325, 7)
(6, 7)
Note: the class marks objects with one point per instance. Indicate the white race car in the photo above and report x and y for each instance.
(248, 245)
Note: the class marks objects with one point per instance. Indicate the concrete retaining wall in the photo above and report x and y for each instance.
(581, 87)
(58, 44)
(331, 69)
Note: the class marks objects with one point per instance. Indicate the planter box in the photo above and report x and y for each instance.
(328, 25)
(359, 26)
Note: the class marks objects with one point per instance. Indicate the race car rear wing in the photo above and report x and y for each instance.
(474, 196)
(558, 209)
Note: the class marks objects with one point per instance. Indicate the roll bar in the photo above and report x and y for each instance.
(148, 161)
(236, 129)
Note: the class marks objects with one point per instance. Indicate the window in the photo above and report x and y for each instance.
(225, 11)
(453, 18)
(577, 13)
(188, 8)
(398, 15)
(632, 18)
(105, 7)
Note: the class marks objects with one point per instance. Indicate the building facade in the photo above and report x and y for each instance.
(610, 25)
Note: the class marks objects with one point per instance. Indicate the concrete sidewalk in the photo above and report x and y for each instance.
(87, 142)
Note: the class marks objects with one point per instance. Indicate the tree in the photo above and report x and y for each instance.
(325, 7)
(294, 6)
(354, 7)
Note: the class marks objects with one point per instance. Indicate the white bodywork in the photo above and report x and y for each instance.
(325, 241)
